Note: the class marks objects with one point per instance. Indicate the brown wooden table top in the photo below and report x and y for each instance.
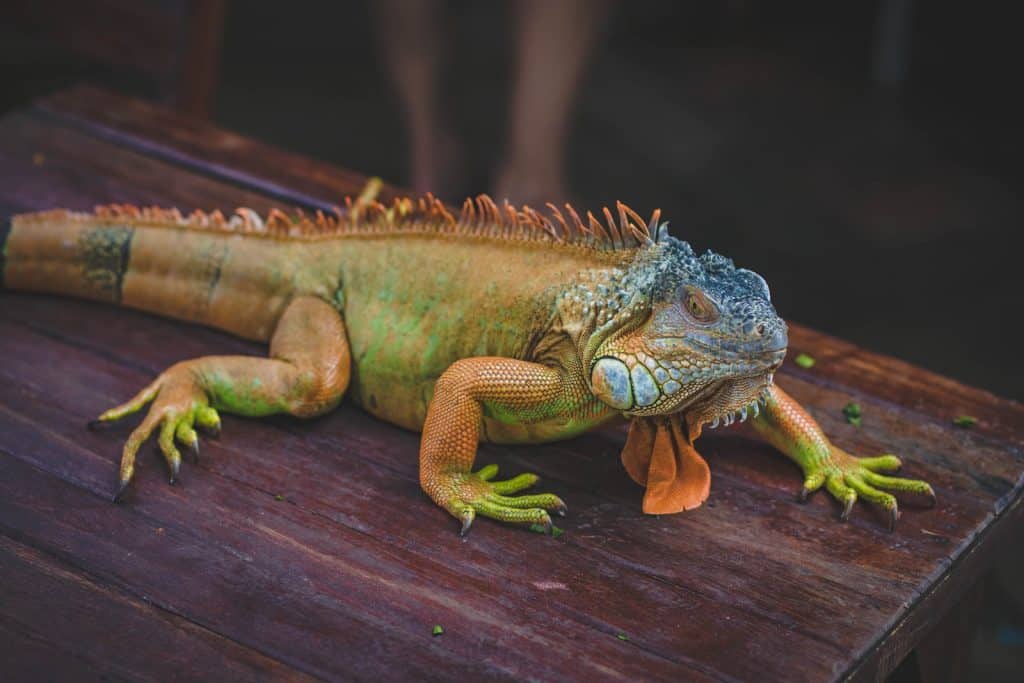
(302, 549)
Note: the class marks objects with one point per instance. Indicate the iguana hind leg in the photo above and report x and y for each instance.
(306, 374)
(511, 390)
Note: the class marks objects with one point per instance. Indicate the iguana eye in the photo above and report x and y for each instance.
(699, 306)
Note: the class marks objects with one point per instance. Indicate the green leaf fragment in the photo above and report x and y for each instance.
(621, 636)
(805, 361)
(852, 413)
(279, 497)
(540, 529)
(965, 421)
(437, 630)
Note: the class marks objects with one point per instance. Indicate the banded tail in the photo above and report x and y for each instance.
(156, 261)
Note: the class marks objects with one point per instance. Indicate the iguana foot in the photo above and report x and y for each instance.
(474, 492)
(848, 478)
(179, 406)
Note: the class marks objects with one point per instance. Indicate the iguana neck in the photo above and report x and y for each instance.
(599, 303)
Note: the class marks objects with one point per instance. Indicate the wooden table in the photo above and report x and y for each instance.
(306, 549)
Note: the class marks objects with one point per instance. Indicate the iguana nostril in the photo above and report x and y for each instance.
(750, 329)
(778, 338)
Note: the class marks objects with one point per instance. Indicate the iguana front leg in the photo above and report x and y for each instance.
(306, 375)
(788, 427)
(510, 390)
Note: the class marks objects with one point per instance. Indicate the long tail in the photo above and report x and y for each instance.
(155, 260)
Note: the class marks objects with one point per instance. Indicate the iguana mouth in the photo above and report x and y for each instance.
(730, 400)
(742, 409)
(752, 408)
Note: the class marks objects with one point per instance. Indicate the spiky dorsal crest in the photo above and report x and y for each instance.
(480, 217)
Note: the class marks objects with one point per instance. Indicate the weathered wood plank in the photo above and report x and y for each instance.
(906, 386)
(34, 657)
(98, 629)
(705, 542)
(201, 146)
(78, 171)
(277, 558)
(271, 606)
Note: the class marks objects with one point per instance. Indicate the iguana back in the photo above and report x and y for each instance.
(417, 288)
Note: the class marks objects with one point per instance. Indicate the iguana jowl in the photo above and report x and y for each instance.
(497, 323)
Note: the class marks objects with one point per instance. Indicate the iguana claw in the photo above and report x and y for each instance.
(474, 493)
(468, 515)
(894, 515)
(122, 485)
(849, 478)
(548, 526)
(178, 407)
(847, 508)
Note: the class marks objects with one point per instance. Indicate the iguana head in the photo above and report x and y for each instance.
(692, 335)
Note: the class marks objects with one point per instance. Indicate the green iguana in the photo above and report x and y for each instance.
(496, 323)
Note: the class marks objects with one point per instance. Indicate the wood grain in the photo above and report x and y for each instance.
(305, 548)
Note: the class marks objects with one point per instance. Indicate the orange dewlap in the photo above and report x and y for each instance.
(660, 455)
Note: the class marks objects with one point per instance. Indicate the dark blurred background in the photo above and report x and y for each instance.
(863, 156)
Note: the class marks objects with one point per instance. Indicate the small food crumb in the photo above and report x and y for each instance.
(964, 421)
(550, 585)
(539, 529)
(38, 159)
(279, 497)
(437, 630)
(621, 636)
(852, 413)
(805, 361)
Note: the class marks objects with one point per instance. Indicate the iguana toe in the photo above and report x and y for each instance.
(515, 484)
(187, 436)
(468, 515)
(121, 486)
(850, 479)
(178, 407)
(475, 493)
(208, 420)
